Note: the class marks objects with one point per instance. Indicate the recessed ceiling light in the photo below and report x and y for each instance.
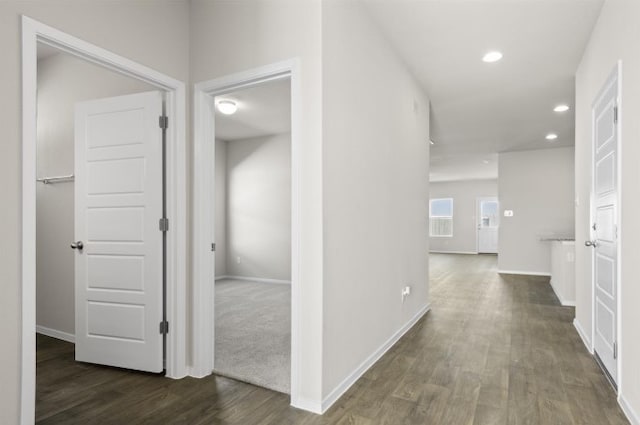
(551, 136)
(561, 108)
(494, 56)
(227, 107)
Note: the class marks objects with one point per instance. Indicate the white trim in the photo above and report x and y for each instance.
(313, 406)
(566, 303)
(32, 33)
(526, 273)
(343, 386)
(203, 209)
(631, 414)
(256, 279)
(453, 252)
(583, 335)
(53, 333)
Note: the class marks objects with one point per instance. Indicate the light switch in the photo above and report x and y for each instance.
(508, 213)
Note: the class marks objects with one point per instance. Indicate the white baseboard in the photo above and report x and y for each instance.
(631, 414)
(255, 279)
(583, 335)
(56, 334)
(312, 406)
(454, 252)
(565, 303)
(343, 386)
(521, 272)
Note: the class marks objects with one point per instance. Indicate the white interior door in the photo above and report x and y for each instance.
(604, 228)
(118, 204)
(488, 221)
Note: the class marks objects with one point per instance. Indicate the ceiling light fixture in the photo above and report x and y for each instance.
(551, 136)
(490, 57)
(227, 107)
(561, 108)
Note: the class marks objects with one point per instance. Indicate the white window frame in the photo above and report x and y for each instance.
(440, 216)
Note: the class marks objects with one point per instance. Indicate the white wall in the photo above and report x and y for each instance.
(614, 38)
(113, 25)
(538, 186)
(264, 33)
(220, 230)
(465, 194)
(258, 213)
(376, 163)
(63, 80)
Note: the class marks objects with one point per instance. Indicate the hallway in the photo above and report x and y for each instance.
(493, 350)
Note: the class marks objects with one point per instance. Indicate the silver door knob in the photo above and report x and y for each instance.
(591, 244)
(77, 245)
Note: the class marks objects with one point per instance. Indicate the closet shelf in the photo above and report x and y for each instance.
(56, 179)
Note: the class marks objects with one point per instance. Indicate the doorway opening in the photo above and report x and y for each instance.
(256, 257)
(83, 200)
(252, 219)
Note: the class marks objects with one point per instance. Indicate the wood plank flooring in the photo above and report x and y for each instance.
(493, 350)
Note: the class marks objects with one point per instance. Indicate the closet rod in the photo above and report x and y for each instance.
(56, 179)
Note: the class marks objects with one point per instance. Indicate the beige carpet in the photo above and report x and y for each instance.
(253, 333)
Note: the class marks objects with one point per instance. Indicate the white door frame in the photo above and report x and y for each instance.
(617, 74)
(203, 211)
(34, 32)
(478, 212)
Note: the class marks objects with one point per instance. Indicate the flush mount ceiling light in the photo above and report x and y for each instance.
(227, 107)
(561, 108)
(551, 136)
(493, 56)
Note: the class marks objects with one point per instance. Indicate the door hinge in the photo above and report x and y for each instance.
(164, 224)
(164, 327)
(615, 114)
(615, 350)
(213, 247)
(595, 226)
(164, 122)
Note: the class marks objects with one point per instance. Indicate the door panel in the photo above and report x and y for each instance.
(488, 218)
(118, 202)
(604, 229)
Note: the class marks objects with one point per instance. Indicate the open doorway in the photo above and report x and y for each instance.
(95, 146)
(99, 253)
(253, 235)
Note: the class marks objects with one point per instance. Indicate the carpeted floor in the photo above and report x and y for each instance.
(253, 333)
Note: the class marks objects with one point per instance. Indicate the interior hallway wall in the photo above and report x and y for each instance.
(376, 189)
(114, 25)
(538, 186)
(265, 33)
(465, 196)
(258, 216)
(220, 231)
(615, 37)
(63, 80)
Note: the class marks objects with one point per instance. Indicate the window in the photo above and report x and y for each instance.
(441, 217)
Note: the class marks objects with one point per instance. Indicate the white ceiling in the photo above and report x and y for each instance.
(480, 109)
(263, 110)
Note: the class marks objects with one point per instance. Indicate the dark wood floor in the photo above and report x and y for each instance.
(493, 350)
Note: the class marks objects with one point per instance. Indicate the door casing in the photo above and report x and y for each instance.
(34, 32)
